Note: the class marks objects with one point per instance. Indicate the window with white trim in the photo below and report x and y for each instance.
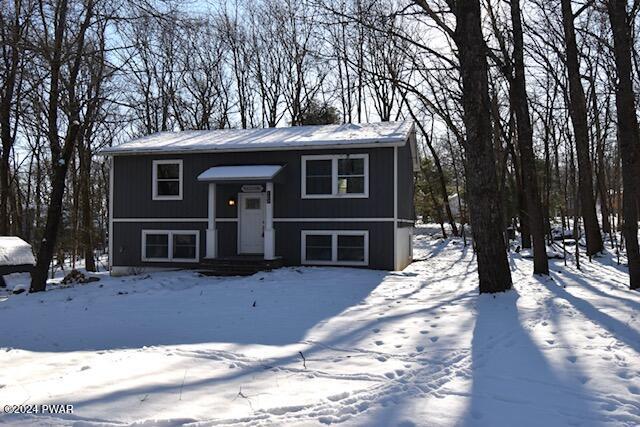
(170, 245)
(335, 247)
(340, 175)
(167, 180)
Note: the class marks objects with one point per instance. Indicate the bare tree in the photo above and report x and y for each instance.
(628, 134)
(578, 111)
(63, 61)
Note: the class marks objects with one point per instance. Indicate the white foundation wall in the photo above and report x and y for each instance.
(118, 271)
(404, 247)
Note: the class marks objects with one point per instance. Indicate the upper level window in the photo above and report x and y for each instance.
(167, 180)
(335, 176)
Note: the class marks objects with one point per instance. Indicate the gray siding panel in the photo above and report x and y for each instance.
(128, 241)
(227, 238)
(133, 186)
(133, 199)
(406, 208)
(127, 244)
(380, 240)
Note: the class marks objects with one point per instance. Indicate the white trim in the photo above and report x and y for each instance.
(211, 242)
(154, 179)
(211, 206)
(164, 219)
(112, 164)
(169, 234)
(151, 220)
(269, 232)
(334, 176)
(332, 219)
(395, 208)
(352, 145)
(334, 246)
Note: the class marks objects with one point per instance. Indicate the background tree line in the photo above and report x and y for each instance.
(524, 109)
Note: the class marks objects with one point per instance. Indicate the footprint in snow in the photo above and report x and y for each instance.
(390, 375)
(624, 374)
(376, 330)
(633, 390)
(583, 379)
(424, 332)
(420, 348)
(572, 359)
(379, 342)
(609, 407)
(550, 342)
(434, 339)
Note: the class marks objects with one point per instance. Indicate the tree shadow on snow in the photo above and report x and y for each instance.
(276, 308)
(620, 330)
(512, 380)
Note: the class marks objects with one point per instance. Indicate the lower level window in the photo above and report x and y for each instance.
(170, 246)
(339, 247)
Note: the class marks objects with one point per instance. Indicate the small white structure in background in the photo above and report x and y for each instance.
(455, 202)
(15, 251)
(16, 256)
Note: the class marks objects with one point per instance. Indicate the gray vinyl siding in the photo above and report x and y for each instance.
(133, 186)
(406, 208)
(380, 240)
(132, 198)
(127, 244)
(128, 241)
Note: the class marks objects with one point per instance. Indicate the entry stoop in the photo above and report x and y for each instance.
(238, 265)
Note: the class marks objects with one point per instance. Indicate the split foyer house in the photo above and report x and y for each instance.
(308, 195)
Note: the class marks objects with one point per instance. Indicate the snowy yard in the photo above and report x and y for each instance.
(418, 347)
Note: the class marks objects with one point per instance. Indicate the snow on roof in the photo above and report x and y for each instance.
(391, 133)
(232, 173)
(15, 251)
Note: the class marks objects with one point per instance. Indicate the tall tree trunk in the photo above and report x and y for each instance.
(578, 112)
(628, 134)
(599, 139)
(525, 145)
(7, 99)
(482, 187)
(60, 153)
(48, 242)
(84, 155)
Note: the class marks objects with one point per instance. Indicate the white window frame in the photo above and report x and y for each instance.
(334, 246)
(334, 177)
(170, 234)
(154, 179)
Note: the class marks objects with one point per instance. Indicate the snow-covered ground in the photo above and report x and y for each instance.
(412, 348)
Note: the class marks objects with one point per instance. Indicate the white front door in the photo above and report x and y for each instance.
(251, 223)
